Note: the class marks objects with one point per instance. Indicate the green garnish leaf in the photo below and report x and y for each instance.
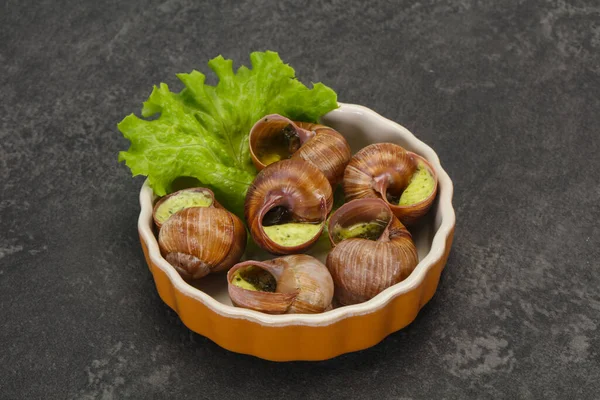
(202, 131)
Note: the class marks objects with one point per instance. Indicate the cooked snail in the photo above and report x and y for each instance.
(274, 138)
(287, 205)
(405, 180)
(201, 240)
(285, 285)
(372, 250)
(177, 201)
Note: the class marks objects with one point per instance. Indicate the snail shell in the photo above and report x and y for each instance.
(296, 188)
(363, 267)
(385, 170)
(202, 240)
(275, 137)
(302, 285)
(184, 198)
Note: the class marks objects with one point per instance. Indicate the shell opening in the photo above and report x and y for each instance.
(360, 219)
(391, 184)
(392, 195)
(278, 145)
(405, 192)
(254, 278)
(420, 187)
(371, 230)
(179, 201)
(277, 215)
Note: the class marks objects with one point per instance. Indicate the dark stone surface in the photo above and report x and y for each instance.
(507, 93)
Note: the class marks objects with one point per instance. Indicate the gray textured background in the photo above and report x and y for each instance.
(506, 92)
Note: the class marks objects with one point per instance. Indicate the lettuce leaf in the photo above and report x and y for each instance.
(202, 131)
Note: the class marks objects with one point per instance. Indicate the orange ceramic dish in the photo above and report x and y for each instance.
(205, 307)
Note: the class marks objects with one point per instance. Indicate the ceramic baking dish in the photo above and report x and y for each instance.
(205, 307)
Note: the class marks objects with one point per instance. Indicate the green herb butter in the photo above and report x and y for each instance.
(292, 234)
(180, 201)
(419, 188)
(255, 279)
(363, 230)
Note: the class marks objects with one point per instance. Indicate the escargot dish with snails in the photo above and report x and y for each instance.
(274, 138)
(241, 230)
(287, 205)
(405, 180)
(372, 250)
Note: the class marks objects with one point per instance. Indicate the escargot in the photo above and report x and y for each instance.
(405, 180)
(372, 250)
(202, 240)
(275, 137)
(287, 205)
(285, 285)
(184, 198)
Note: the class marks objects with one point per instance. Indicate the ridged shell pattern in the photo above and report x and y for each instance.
(363, 268)
(328, 150)
(198, 241)
(304, 285)
(320, 145)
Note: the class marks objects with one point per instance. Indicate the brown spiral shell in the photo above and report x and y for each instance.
(296, 185)
(202, 240)
(382, 168)
(320, 145)
(363, 268)
(304, 285)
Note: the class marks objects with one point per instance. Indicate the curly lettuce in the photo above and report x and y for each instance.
(202, 131)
